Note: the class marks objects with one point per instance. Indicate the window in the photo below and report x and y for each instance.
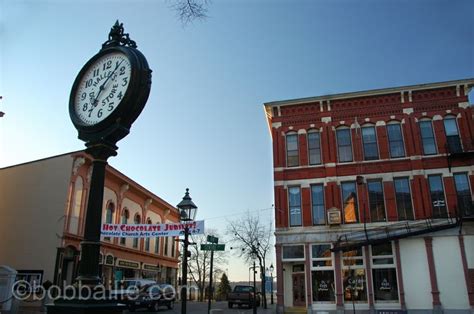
(384, 274)
(463, 192)
(452, 135)
(353, 276)
(349, 202)
(395, 140)
(109, 213)
(157, 245)
(167, 241)
(173, 247)
(317, 199)
(403, 198)
(136, 221)
(295, 206)
(369, 140)
(124, 220)
(147, 239)
(322, 273)
(427, 137)
(314, 148)
(293, 252)
(437, 196)
(376, 201)
(344, 144)
(292, 156)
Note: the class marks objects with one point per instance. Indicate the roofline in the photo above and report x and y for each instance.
(298, 101)
(42, 159)
(110, 168)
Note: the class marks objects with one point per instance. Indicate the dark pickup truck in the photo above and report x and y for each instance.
(243, 295)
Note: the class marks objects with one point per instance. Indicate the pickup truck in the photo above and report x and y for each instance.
(243, 295)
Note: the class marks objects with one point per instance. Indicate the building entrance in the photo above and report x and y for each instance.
(299, 290)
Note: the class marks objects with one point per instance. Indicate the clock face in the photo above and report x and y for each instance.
(101, 88)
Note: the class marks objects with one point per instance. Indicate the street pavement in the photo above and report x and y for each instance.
(193, 307)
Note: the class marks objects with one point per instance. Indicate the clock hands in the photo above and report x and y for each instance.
(102, 87)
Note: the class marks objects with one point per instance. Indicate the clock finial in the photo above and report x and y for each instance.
(117, 37)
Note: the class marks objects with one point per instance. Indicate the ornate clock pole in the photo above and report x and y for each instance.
(107, 96)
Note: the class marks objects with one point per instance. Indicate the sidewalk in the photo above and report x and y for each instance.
(193, 307)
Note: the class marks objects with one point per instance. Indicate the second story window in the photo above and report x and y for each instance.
(452, 135)
(317, 200)
(403, 198)
(135, 240)
(295, 206)
(437, 196)
(349, 201)
(427, 137)
(292, 156)
(147, 239)
(369, 140)
(376, 201)
(395, 140)
(463, 193)
(109, 214)
(124, 220)
(314, 148)
(344, 145)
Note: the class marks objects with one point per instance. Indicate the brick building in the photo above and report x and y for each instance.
(374, 200)
(43, 211)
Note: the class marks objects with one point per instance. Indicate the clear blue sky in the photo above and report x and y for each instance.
(203, 126)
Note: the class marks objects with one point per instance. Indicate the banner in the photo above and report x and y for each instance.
(151, 231)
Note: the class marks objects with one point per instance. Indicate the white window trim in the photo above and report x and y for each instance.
(434, 137)
(320, 150)
(297, 148)
(283, 259)
(337, 144)
(384, 201)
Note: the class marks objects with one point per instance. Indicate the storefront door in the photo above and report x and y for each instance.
(299, 290)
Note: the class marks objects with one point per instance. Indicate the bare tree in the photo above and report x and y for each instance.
(199, 263)
(190, 10)
(252, 240)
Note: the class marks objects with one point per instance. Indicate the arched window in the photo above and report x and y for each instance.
(314, 147)
(109, 214)
(427, 137)
(452, 135)
(124, 220)
(344, 144)
(369, 141)
(292, 155)
(76, 207)
(395, 140)
(147, 239)
(136, 221)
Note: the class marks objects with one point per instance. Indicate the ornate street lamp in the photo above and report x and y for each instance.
(271, 283)
(187, 211)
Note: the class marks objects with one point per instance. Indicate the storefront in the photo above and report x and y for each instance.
(126, 269)
(317, 278)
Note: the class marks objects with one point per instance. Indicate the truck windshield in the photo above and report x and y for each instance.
(243, 289)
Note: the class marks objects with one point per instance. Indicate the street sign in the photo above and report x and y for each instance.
(213, 247)
(212, 239)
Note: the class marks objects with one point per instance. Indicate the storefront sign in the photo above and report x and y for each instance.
(150, 267)
(128, 264)
(150, 230)
(334, 216)
(323, 286)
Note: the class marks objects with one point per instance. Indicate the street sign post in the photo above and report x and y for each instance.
(212, 239)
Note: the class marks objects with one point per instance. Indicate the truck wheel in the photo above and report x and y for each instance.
(230, 305)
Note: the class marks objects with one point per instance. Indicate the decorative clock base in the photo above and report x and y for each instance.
(62, 306)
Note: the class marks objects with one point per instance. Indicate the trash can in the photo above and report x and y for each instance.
(7, 280)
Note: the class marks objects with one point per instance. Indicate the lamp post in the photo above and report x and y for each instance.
(271, 283)
(187, 210)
